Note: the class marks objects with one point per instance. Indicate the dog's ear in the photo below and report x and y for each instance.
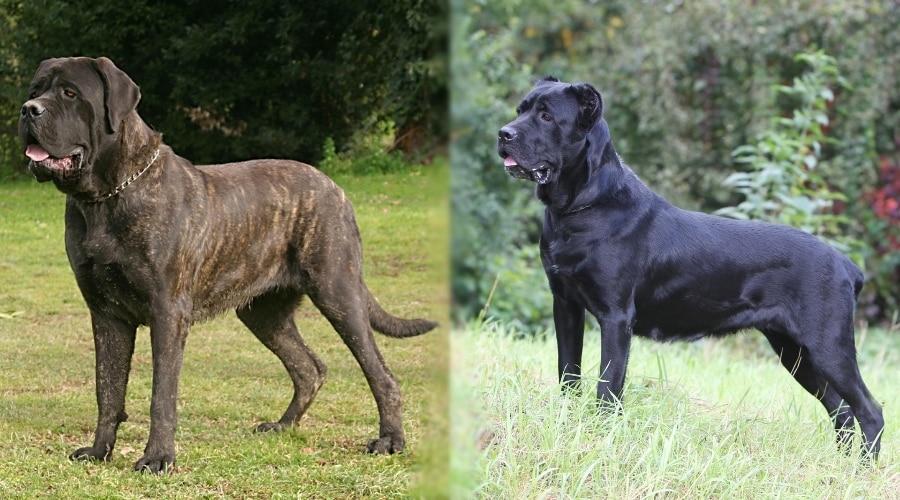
(547, 79)
(120, 93)
(590, 105)
(46, 64)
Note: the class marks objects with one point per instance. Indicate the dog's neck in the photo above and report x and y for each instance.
(142, 145)
(596, 177)
(127, 182)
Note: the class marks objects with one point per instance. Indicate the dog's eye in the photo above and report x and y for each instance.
(546, 117)
(69, 93)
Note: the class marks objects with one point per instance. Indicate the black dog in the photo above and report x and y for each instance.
(154, 240)
(641, 266)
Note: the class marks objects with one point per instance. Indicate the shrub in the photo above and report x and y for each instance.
(785, 184)
(493, 215)
(880, 219)
(520, 298)
(368, 153)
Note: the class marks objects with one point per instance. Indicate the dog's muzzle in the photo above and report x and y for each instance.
(506, 138)
(541, 175)
(46, 168)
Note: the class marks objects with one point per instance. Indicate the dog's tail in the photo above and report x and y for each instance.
(395, 327)
(856, 276)
(858, 280)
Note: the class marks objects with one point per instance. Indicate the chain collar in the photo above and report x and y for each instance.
(121, 187)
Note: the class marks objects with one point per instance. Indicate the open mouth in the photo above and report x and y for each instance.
(43, 164)
(541, 174)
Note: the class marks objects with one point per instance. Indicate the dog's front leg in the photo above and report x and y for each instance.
(615, 341)
(568, 318)
(113, 347)
(167, 337)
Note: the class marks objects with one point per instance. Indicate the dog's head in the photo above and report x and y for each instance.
(74, 111)
(550, 130)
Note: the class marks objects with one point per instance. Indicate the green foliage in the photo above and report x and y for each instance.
(520, 295)
(11, 91)
(785, 184)
(253, 79)
(493, 215)
(11, 155)
(332, 163)
(370, 154)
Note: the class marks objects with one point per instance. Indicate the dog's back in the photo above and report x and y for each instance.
(697, 274)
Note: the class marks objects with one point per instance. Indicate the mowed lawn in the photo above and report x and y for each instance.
(230, 382)
(711, 419)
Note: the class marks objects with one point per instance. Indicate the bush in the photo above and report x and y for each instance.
(785, 184)
(879, 218)
(494, 216)
(520, 298)
(367, 154)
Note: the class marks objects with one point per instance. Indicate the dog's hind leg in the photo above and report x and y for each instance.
(798, 364)
(344, 302)
(271, 318)
(834, 359)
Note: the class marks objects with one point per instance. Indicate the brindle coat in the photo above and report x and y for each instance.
(154, 240)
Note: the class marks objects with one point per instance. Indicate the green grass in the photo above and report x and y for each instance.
(230, 382)
(713, 419)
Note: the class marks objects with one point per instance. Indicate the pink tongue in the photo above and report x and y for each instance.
(36, 153)
(507, 162)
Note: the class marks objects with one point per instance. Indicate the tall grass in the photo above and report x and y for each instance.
(712, 419)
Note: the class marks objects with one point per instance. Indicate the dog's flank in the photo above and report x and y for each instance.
(612, 247)
(154, 240)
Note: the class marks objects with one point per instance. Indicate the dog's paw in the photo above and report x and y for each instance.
(869, 454)
(385, 445)
(270, 427)
(90, 454)
(156, 464)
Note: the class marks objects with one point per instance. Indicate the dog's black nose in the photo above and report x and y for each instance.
(32, 109)
(507, 134)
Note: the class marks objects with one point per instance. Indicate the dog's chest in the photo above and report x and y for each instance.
(111, 275)
(567, 255)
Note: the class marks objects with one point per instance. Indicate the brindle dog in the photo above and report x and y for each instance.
(154, 240)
